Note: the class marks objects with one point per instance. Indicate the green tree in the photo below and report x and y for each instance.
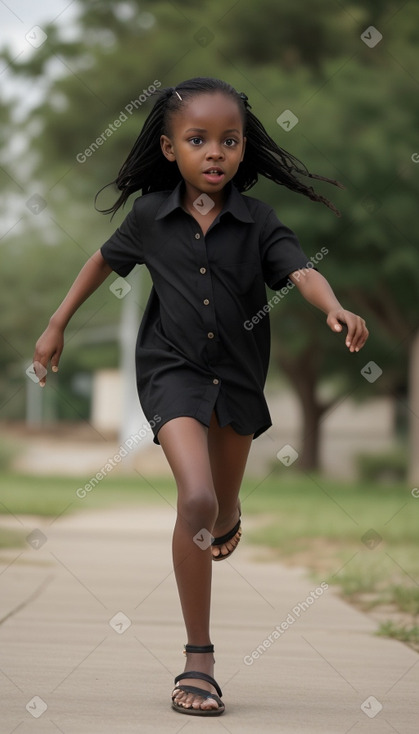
(356, 107)
(373, 259)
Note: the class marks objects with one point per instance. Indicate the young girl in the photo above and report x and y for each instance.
(201, 369)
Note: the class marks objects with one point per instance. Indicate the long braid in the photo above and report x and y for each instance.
(146, 169)
(263, 156)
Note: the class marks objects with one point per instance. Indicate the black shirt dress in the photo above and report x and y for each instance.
(204, 340)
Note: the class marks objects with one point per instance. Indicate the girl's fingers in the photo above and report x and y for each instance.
(350, 337)
(40, 365)
(334, 323)
(357, 333)
(48, 349)
(363, 338)
(40, 370)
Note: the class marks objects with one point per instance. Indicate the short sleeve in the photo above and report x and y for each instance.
(123, 250)
(281, 252)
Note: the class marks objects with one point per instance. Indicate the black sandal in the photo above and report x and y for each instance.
(201, 691)
(225, 538)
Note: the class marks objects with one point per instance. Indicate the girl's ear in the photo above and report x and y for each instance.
(167, 148)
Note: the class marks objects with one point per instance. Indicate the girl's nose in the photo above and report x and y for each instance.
(215, 151)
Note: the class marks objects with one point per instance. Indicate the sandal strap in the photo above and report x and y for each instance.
(228, 536)
(199, 648)
(201, 676)
(201, 692)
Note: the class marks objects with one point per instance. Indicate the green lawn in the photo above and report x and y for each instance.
(53, 495)
(361, 537)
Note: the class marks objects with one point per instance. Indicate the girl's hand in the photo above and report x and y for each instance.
(357, 331)
(48, 347)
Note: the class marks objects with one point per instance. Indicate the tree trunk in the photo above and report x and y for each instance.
(311, 432)
(303, 374)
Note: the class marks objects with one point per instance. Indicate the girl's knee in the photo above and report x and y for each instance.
(198, 506)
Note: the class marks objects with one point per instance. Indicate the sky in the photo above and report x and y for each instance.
(22, 34)
(19, 17)
(22, 24)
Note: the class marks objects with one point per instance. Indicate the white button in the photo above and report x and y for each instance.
(202, 270)
(215, 381)
(206, 302)
(197, 236)
(210, 335)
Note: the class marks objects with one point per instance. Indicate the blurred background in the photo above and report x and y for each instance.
(336, 84)
(348, 76)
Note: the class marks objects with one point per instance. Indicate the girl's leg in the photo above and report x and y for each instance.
(228, 452)
(185, 443)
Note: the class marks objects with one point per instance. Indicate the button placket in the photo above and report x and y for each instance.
(205, 293)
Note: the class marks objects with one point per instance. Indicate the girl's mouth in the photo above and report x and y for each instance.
(214, 175)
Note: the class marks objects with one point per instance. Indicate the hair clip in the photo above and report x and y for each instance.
(178, 95)
(245, 98)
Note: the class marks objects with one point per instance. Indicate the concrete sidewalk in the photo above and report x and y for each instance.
(92, 637)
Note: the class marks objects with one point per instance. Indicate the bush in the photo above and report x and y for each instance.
(385, 468)
(8, 451)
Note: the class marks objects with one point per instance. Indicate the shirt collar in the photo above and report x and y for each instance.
(235, 203)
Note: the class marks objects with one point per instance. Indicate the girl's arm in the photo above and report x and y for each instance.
(50, 344)
(316, 290)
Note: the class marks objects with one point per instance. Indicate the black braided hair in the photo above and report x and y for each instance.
(146, 169)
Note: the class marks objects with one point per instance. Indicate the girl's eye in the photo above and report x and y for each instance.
(195, 141)
(230, 142)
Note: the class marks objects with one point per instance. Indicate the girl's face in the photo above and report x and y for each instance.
(206, 141)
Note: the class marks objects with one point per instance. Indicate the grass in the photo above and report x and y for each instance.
(359, 536)
(52, 496)
(11, 538)
(55, 496)
(310, 506)
(400, 632)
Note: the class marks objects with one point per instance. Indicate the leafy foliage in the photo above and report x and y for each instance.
(356, 107)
